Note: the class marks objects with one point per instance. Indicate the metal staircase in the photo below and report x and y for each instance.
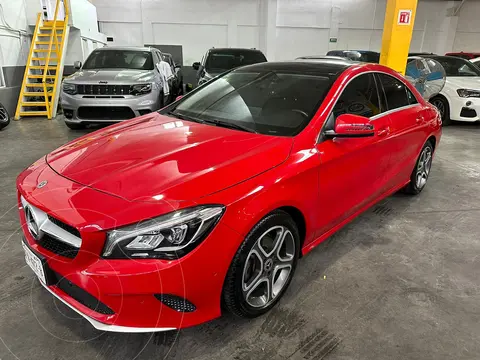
(44, 70)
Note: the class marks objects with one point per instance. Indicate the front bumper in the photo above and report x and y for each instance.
(127, 287)
(465, 109)
(130, 106)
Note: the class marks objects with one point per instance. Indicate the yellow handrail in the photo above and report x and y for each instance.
(45, 71)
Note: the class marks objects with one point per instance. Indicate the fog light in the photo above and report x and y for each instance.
(468, 103)
(68, 113)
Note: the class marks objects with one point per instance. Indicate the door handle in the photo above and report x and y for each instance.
(383, 132)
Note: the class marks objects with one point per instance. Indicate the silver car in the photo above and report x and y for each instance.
(114, 84)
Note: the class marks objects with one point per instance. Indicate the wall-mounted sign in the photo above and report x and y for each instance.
(333, 40)
(404, 17)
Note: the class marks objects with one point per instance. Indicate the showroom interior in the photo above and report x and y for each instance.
(393, 276)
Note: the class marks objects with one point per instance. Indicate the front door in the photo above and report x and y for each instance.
(352, 170)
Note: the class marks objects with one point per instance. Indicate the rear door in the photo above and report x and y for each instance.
(407, 119)
(351, 173)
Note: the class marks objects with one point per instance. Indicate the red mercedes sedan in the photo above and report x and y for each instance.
(160, 222)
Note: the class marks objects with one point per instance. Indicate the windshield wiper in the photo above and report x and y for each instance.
(185, 117)
(230, 125)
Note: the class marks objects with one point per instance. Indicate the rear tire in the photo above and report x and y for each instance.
(421, 171)
(263, 266)
(442, 105)
(74, 126)
(4, 117)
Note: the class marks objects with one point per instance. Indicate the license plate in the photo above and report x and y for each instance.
(35, 263)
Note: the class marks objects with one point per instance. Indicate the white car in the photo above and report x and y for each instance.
(460, 98)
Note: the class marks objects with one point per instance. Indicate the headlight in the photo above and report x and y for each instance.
(466, 93)
(167, 237)
(140, 89)
(70, 89)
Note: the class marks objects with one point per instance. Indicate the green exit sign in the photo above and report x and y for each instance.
(333, 40)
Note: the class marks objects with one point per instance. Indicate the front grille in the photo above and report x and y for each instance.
(57, 247)
(105, 113)
(64, 226)
(82, 296)
(103, 89)
(176, 302)
(468, 113)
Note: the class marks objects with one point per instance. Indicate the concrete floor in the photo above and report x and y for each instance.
(400, 282)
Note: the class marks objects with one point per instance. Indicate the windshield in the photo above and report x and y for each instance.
(458, 67)
(271, 102)
(119, 59)
(223, 60)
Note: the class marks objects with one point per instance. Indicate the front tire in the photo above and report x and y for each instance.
(419, 176)
(443, 107)
(263, 266)
(4, 117)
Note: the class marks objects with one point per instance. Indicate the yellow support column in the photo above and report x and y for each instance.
(397, 33)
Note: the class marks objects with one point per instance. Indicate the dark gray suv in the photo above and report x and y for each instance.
(217, 61)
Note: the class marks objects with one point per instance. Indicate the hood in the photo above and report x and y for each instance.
(465, 82)
(112, 76)
(157, 157)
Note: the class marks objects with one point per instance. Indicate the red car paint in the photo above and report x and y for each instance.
(156, 164)
(464, 55)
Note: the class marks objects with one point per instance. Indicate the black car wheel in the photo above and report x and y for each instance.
(443, 107)
(4, 117)
(263, 266)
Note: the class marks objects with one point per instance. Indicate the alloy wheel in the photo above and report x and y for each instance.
(440, 106)
(3, 115)
(423, 167)
(268, 266)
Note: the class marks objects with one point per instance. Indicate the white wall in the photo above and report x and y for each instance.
(14, 45)
(467, 36)
(302, 27)
(195, 24)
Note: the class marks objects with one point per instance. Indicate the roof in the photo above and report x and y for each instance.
(316, 67)
(131, 48)
(235, 49)
(433, 56)
(320, 57)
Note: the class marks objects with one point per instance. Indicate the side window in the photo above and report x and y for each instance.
(360, 97)
(395, 92)
(155, 57)
(411, 98)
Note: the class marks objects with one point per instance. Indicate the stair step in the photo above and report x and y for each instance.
(34, 103)
(44, 42)
(38, 93)
(43, 59)
(44, 50)
(36, 67)
(36, 85)
(33, 113)
(50, 22)
(41, 76)
(49, 35)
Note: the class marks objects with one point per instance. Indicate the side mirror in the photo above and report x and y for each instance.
(77, 65)
(351, 126)
(196, 65)
(178, 67)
